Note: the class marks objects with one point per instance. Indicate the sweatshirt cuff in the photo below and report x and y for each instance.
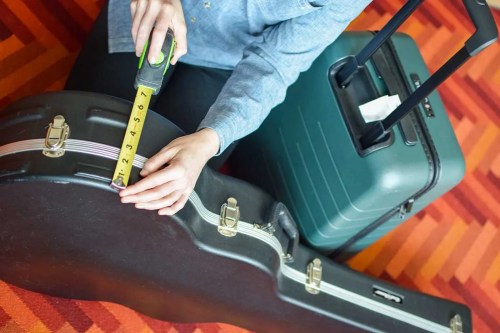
(222, 130)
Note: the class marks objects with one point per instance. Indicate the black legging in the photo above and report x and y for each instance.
(186, 95)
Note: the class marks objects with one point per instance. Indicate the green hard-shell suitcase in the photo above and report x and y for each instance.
(347, 182)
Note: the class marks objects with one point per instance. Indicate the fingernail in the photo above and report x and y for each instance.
(152, 60)
(140, 206)
(126, 200)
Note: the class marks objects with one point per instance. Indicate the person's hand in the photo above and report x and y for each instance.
(171, 174)
(158, 15)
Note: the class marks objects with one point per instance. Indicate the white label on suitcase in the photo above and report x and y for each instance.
(379, 108)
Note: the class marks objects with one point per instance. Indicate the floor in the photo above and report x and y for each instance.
(452, 249)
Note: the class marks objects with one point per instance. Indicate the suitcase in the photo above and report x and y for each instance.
(230, 255)
(348, 182)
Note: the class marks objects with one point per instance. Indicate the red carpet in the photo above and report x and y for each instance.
(452, 249)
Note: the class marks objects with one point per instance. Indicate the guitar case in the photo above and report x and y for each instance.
(232, 254)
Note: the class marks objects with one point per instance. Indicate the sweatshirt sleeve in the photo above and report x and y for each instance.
(268, 67)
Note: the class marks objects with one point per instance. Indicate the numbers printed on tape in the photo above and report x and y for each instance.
(131, 139)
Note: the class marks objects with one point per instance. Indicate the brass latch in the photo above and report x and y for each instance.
(313, 276)
(229, 216)
(57, 134)
(456, 324)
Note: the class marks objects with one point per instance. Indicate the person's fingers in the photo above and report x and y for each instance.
(145, 26)
(174, 208)
(163, 202)
(156, 193)
(180, 34)
(155, 179)
(157, 40)
(158, 160)
(140, 8)
(133, 7)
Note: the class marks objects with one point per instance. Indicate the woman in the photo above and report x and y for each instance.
(233, 62)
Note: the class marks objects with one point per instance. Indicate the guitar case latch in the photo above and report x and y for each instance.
(57, 134)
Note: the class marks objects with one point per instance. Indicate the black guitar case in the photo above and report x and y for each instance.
(231, 255)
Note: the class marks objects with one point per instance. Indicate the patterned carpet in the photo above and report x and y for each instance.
(452, 249)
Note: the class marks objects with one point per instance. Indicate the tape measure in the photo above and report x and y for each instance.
(147, 82)
(132, 137)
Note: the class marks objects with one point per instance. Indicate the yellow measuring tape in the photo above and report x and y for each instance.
(131, 139)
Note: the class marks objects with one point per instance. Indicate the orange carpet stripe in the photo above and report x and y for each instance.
(439, 231)
(94, 329)
(10, 83)
(460, 209)
(485, 307)
(492, 293)
(430, 50)
(52, 23)
(99, 315)
(398, 236)
(482, 145)
(488, 160)
(16, 308)
(478, 69)
(42, 308)
(55, 72)
(493, 274)
(423, 283)
(448, 215)
(361, 260)
(488, 258)
(443, 251)
(33, 22)
(8, 47)
(39, 327)
(448, 270)
(487, 100)
(129, 320)
(457, 89)
(469, 143)
(11, 327)
(463, 196)
(25, 56)
(477, 250)
(482, 200)
(67, 328)
(495, 168)
(491, 189)
(13, 23)
(433, 212)
(410, 248)
(452, 42)
(489, 106)
(453, 104)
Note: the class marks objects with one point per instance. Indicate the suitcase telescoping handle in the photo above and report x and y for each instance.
(486, 33)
